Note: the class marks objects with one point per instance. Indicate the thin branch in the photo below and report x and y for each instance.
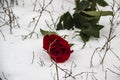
(34, 5)
(68, 74)
(33, 20)
(113, 72)
(33, 57)
(91, 60)
(43, 8)
(3, 35)
(4, 76)
(57, 73)
(116, 67)
(41, 62)
(105, 74)
(115, 54)
(84, 73)
(111, 35)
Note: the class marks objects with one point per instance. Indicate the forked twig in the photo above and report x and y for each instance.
(4, 76)
(43, 8)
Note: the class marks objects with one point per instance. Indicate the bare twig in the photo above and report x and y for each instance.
(115, 54)
(114, 23)
(34, 5)
(33, 57)
(57, 73)
(33, 20)
(41, 62)
(91, 60)
(2, 35)
(84, 73)
(4, 76)
(105, 74)
(9, 17)
(67, 73)
(53, 76)
(117, 68)
(94, 77)
(43, 8)
(113, 72)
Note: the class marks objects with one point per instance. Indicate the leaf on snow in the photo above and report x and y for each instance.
(43, 32)
(66, 21)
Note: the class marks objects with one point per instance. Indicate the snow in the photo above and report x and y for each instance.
(27, 60)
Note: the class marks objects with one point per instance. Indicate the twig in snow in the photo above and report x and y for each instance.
(9, 17)
(53, 76)
(33, 57)
(91, 60)
(43, 8)
(33, 20)
(4, 76)
(105, 74)
(57, 73)
(94, 77)
(107, 46)
(86, 76)
(41, 62)
(67, 74)
(115, 54)
(113, 72)
(116, 68)
(34, 5)
(2, 35)
(84, 73)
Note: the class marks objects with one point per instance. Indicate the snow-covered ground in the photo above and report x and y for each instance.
(27, 60)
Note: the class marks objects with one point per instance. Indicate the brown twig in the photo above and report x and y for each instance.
(43, 8)
(107, 46)
(67, 72)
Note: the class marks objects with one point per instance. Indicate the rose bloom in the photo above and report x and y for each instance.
(57, 48)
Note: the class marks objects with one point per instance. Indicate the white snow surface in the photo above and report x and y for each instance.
(16, 54)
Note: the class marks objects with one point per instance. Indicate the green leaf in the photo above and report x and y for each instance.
(85, 37)
(80, 19)
(66, 21)
(71, 44)
(102, 3)
(43, 32)
(92, 30)
(82, 5)
(98, 13)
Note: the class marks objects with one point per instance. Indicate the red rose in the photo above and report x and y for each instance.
(57, 48)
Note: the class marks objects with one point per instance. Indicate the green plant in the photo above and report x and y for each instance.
(85, 17)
